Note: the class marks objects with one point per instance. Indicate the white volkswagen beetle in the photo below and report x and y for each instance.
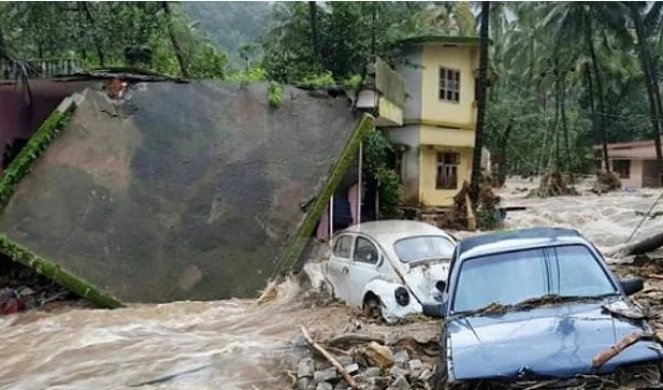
(390, 266)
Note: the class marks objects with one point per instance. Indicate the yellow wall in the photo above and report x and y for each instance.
(432, 135)
(389, 113)
(436, 111)
(428, 194)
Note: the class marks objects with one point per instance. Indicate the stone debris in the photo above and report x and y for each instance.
(400, 384)
(325, 375)
(371, 365)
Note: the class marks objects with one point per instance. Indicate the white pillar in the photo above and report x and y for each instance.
(331, 217)
(359, 183)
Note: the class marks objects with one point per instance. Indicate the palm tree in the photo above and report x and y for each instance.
(173, 39)
(651, 80)
(481, 102)
(313, 17)
(571, 19)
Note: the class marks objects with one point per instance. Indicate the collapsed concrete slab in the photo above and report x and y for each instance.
(180, 191)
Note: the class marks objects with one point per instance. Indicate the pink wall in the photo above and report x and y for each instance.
(18, 120)
(323, 227)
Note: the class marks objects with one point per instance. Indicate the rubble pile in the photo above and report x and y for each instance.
(606, 181)
(21, 288)
(372, 362)
(553, 184)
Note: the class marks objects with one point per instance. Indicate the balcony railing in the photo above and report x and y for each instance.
(39, 69)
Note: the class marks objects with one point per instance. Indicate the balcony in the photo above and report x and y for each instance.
(383, 94)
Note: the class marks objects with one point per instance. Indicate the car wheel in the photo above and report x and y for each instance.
(372, 306)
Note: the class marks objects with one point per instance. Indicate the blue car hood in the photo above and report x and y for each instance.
(557, 341)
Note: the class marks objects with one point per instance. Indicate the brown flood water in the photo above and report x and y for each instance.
(236, 344)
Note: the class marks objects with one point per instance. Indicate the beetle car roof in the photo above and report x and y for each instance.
(517, 239)
(394, 228)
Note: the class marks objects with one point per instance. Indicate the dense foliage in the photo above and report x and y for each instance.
(570, 74)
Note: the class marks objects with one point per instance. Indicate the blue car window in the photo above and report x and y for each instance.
(576, 272)
(506, 278)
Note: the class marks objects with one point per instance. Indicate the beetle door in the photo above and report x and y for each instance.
(363, 269)
(338, 266)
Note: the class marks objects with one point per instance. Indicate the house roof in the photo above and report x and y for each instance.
(626, 145)
(441, 39)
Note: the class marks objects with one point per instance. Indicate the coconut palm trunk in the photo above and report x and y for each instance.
(481, 102)
(653, 93)
(589, 34)
(173, 40)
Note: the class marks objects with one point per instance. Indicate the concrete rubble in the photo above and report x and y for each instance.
(372, 365)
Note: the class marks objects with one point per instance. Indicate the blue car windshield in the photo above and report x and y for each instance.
(510, 278)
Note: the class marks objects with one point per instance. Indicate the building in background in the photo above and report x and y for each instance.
(633, 162)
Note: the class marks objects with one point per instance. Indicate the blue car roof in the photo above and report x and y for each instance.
(517, 239)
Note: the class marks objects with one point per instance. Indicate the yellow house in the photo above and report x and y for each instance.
(436, 134)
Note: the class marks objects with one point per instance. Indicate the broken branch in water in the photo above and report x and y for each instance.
(330, 358)
(604, 356)
(641, 247)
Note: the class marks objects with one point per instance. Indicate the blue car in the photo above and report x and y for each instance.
(540, 306)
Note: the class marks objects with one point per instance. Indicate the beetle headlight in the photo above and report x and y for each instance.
(402, 296)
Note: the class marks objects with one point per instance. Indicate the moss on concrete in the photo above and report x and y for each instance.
(16, 171)
(54, 272)
(297, 244)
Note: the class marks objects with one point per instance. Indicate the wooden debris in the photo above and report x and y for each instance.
(641, 247)
(350, 339)
(603, 357)
(605, 182)
(553, 184)
(330, 358)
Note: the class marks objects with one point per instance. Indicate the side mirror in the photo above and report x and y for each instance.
(441, 285)
(632, 285)
(434, 310)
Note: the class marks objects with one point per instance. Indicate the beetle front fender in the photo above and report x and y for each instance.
(391, 310)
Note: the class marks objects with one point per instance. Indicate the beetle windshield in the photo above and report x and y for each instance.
(513, 277)
(419, 248)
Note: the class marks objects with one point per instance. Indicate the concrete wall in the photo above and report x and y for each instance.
(650, 177)
(410, 136)
(428, 194)
(433, 135)
(434, 110)
(20, 120)
(410, 69)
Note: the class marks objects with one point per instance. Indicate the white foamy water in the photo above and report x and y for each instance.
(240, 344)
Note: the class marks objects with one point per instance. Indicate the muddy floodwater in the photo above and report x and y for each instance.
(243, 344)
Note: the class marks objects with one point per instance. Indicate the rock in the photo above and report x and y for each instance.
(299, 341)
(379, 355)
(324, 375)
(425, 375)
(305, 368)
(372, 372)
(324, 386)
(401, 358)
(303, 383)
(399, 384)
(352, 368)
(415, 365)
(345, 360)
(396, 371)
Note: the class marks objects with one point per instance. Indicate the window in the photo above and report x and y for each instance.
(568, 271)
(342, 247)
(365, 251)
(447, 171)
(449, 85)
(622, 168)
(415, 249)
